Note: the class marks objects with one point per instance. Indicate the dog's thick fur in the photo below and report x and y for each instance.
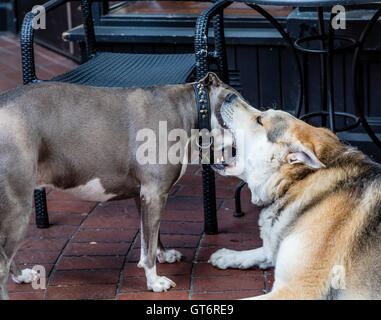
(84, 140)
(320, 224)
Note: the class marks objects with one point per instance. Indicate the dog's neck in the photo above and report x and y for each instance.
(188, 105)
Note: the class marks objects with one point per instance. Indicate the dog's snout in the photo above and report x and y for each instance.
(230, 97)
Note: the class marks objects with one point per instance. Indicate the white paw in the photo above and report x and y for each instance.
(26, 276)
(265, 265)
(225, 258)
(222, 258)
(160, 284)
(337, 277)
(169, 256)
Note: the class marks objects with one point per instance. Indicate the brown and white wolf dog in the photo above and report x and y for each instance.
(321, 222)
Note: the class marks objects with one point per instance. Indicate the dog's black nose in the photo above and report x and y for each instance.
(230, 97)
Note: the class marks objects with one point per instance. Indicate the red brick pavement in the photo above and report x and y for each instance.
(91, 249)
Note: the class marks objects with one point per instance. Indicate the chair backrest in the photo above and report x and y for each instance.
(88, 21)
(201, 36)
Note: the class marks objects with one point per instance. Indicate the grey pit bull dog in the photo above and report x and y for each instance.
(82, 139)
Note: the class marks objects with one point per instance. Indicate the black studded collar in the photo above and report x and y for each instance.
(205, 142)
(203, 105)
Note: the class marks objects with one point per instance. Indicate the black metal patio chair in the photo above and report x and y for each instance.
(125, 70)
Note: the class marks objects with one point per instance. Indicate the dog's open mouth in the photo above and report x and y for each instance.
(221, 163)
(227, 155)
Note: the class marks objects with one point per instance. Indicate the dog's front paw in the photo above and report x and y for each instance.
(223, 258)
(26, 276)
(169, 256)
(160, 284)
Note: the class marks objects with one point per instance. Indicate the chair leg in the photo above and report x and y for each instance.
(220, 47)
(209, 191)
(238, 212)
(42, 218)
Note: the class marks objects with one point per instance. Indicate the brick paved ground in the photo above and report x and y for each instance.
(91, 249)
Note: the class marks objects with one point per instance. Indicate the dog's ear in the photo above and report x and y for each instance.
(302, 154)
(211, 79)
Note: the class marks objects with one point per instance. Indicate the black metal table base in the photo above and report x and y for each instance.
(355, 78)
(326, 51)
(238, 211)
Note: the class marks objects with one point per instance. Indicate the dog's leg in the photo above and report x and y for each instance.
(299, 274)
(167, 256)
(4, 272)
(16, 189)
(13, 230)
(139, 207)
(225, 258)
(152, 205)
(163, 255)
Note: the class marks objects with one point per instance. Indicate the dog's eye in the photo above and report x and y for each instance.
(259, 120)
